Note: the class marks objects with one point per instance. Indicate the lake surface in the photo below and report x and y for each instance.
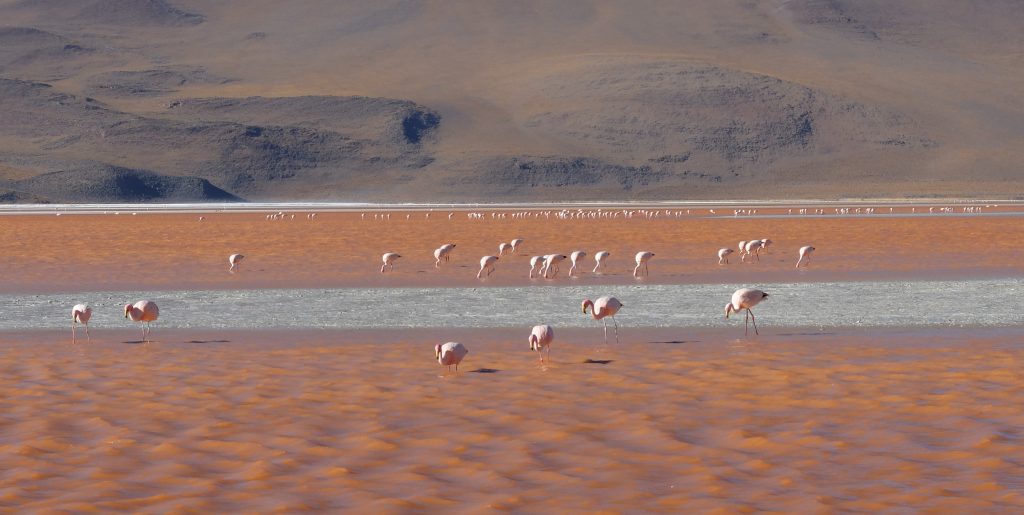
(980, 303)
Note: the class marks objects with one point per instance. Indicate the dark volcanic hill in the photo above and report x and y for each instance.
(538, 99)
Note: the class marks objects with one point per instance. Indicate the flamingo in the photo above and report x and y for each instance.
(540, 340)
(641, 262)
(805, 253)
(80, 314)
(551, 261)
(389, 261)
(576, 257)
(723, 255)
(604, 307)
(752, 247)
(515, 244)
(450, 354)
(486, 263)
(742, 247)
(744, 299)
(442, 252)
(599, 258)
(536, 261)
(765, 243)
(234, 260)
(502, 247)
(144, 311)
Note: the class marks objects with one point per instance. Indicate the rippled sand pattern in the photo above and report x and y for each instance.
(318, 421)
(176, 251)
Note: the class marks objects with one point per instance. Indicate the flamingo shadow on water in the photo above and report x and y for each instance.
(589, 361)
(485, 371)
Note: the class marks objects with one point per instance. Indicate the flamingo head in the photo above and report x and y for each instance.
(437, 351)
(533, 342)
(587, 303)
(127, 310)
(729, 309)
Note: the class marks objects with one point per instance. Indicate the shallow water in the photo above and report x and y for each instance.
(981, 303)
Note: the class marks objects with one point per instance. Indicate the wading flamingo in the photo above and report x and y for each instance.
(442, 253)
(540, 340)
(486, 263)
(765, 243)
(744, 299)
(515, 244)
(805, 254)
(144, 311)
(551, 262)
(602, 308)
(234, 260)
(723, 256)
(503, 247)
(641, 263)
(576, 257)
(752, 249)
(389, 261)
(450, 354)
(536, 261)
(80, 314)
(600, 258)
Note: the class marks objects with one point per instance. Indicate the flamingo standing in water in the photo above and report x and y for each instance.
(723, 256)
(80, 314)
(234, 260)
(486, 263)
(389, 261)
(515, 244)
(602, 308)
(145, 311)
(752, 249)
(765, 243)
(599, 258)
(805, 253)
(551, 262)
(536, 261)
(450, 354)
(503, 247)
(576, 257)
(744, 299)
(641, 263)
(540, 340)
(442, 253)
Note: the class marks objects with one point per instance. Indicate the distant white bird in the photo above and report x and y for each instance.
(80, 314)
(145, 311)
(752, 249)
(486, 263)
(744, 299)
(234, 260)
(540, 340)
(389, 261)
(576, 257)
(536, 261)
(805, 253)
(516, 243)
(602, 308)
(599, 259)
(641, 263)
(551, 262)
(451, 353)
(443, 253)
(723, 256)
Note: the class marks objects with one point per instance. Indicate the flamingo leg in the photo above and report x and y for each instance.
(616, 329)
(72, 331)
(87, 335)
(635, 270)
(746, 323)
(753, 320)
(605, 331)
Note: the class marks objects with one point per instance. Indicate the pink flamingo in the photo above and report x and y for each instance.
(641, 263)
(752, 248)
(723, 256)
(486, 263)
(443, 253)
(602, 308)
(540, 340)
(503, 247)
(80, 314)
(576, 257)
(144, 311)
(805, 253)
(450, 354)
(389, 261)
(234, 260)
(744, 299)
(600, 258)
(515, 244)
(765, 243)
(536, 261)
(551, 262)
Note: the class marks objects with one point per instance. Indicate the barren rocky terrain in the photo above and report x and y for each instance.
(464, 100)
